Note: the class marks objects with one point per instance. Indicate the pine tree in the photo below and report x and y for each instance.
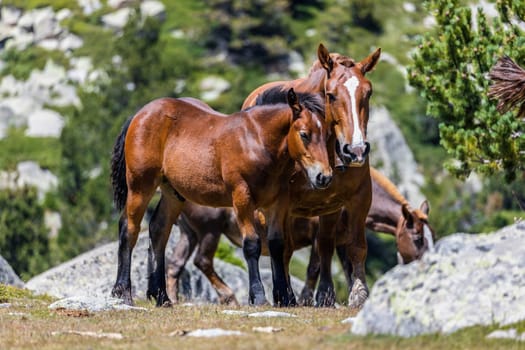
(450, 69)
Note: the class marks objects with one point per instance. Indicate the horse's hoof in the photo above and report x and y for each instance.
(121, 292)
(229, 300)
(306, 298)
(358, 295)
(325, 299)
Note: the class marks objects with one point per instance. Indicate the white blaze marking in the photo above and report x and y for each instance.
(428, 236)
(351, 85)
(319, 125)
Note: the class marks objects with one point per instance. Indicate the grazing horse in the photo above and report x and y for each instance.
(192, 152)
(201, 227)
(346, 91)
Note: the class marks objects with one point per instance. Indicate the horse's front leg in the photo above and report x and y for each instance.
(325, 296)
(165, 215)
(280, 254)
(356, 251)
(251, 244)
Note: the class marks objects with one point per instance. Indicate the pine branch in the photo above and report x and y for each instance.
(508, 86)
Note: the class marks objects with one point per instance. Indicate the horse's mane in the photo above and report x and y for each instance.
(277, 94)
(337, 58)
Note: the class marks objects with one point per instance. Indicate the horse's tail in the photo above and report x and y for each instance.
(508, 85)
(118, 169)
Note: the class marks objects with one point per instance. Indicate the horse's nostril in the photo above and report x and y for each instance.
(347, 150)
(323, 180)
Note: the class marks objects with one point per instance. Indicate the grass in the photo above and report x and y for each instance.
(16, 147)
(28, 323)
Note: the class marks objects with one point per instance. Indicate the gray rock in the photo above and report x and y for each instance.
(212, 333)
(392, 156)
(118, 19)
(153, 8)
(8, 275)
(469, 280)
(10, 15)
(45, 24)
(29, 173)
(212, 87)
(92, 304)
(94, 273)
(89, 6)
(44, 123)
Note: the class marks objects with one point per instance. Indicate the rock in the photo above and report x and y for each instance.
(118, 19)
(152, 8)
(94, 273)
(271, 313)
(511, 333)
(212, 333)
(212, 87)
(469, 280)
(44, 123)
(10, 15)
(392, 156)
(70, 42)
(8, 275)
(29, 173)
(89, 6)
(92, 304)
(45, 24)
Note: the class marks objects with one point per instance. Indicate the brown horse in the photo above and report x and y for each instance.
(201, 227)
(192, 152)
(346, 92)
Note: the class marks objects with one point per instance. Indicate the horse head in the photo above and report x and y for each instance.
(414, 235)
(347, 92)
(307, 138)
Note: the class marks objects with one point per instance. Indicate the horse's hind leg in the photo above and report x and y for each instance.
(165, 215)
(204, 261)
(176, 261)
(129, 228)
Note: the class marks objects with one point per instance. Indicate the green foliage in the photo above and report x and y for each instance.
(32, 4)
(226, 252)
(450, 68)
(23, 237)
(21, 63)
(16, 147)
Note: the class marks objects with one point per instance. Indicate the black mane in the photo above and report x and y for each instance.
(276, 95)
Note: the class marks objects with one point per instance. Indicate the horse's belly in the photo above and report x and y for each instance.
(199, 183)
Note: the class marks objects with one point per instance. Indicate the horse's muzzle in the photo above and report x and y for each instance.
(322, 181)
(355, 155)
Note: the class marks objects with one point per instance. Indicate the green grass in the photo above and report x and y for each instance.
(16, 147)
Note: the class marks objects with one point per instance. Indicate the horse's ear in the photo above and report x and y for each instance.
(424, 207)
(407, 215)
(324, 58)
(293, 102)
(367, 64)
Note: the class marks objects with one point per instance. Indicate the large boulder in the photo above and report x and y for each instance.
(8, 275)
(93, 274)
(469, 280)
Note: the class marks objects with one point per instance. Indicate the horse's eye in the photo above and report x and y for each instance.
(305, 137)
(331, 97)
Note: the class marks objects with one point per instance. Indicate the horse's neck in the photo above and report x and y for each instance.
(387, 202)
(276, 124)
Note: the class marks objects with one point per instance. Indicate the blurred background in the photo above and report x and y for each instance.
(72, 71)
